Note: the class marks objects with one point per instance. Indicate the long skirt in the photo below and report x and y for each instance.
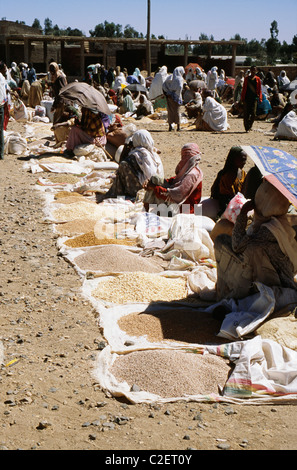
(35, 94)
(126, 182)
(173, 111)
(79, 137)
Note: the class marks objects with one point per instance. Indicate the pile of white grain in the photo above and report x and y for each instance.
(140, 287)
(172, 373)
(115, 258)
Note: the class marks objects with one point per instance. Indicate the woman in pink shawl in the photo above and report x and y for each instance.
(184, 189)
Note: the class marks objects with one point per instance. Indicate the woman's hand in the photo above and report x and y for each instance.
(248, 206)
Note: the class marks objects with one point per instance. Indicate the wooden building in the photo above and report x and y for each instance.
(75, 53)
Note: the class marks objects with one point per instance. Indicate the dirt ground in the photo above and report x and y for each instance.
(50, 336)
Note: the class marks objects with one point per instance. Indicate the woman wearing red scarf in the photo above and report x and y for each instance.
(184, 189)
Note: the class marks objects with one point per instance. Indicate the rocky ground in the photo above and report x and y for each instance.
(50, 336)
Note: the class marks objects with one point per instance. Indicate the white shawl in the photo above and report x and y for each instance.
(215, 115)
(145, 155)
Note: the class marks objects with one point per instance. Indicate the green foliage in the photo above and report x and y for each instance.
(261, 52)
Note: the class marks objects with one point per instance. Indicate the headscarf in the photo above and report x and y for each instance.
(140, 78)
(156, 88)
(282, 229)
(57, 71)
(188, 165)
(212, 78)
(146, 104)
(215, 115)
(120, 80)
(145, 155)
(128, 102)
(173, 85)
(283, 79)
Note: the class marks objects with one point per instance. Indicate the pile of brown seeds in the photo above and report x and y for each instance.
(172, 373)
(111, 258)
(89, 239)
(173, 324)
(63, 194)
(75, 227)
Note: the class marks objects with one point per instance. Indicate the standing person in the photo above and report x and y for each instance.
(212, 78)
(31, 75)
(238, 85)
(15, 73)
(3, 101)
(172, 88)
(250, 95)
(58, 81)
(5, 74)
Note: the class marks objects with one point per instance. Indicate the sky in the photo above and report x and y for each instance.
(174, 19)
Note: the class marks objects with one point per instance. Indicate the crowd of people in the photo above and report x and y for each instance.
(253, 95)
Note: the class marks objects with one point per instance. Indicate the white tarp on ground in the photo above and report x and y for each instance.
(264, 371)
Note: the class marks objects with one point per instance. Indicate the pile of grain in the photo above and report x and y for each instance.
(75, 227)
(111, 230)
(172, 373)
(111, 258)
(79, 210)
(62, 194)
(140, 287)
(63, 178)
(72, 200)
(175, 324)
(89, 239)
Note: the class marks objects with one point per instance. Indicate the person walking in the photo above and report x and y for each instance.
(250, 95)
(3, 104)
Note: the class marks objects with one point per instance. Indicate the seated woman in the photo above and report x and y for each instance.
(229, 181)
(263, 108)
(127, 104)
(144, 107)
(91, 129)
(265, 253)
(68, 115)
(213, 116)
(139, 162)
(184, 189)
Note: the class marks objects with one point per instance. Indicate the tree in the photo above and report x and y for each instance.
(272, 44)
(48, 26)
(107, 30)
(130, 32)
(36, 24)
(73, 32)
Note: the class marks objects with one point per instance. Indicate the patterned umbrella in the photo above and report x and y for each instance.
(278, 167)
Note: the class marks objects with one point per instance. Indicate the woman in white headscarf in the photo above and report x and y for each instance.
(156, 88)
(119, 80)
(139, 77)
(213, 117)
(172, 89)
(140, 164)
(282, 79)
(212, 78)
